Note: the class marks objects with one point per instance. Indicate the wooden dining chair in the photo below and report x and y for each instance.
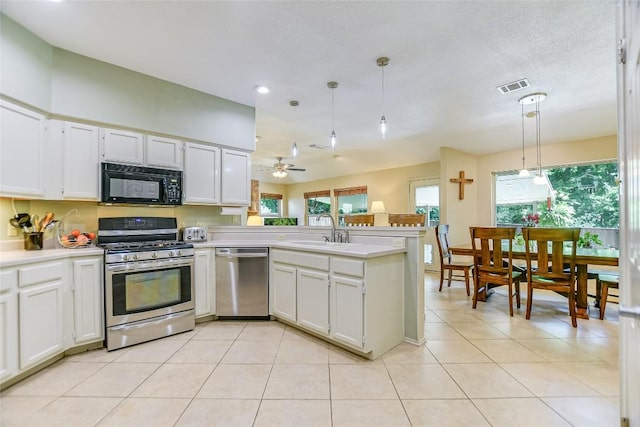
(492, 266)
(555, 264)
(604, 282)
(407, 220)
(363, 220)
(446, 260)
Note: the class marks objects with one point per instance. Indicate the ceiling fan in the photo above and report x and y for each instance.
(281, 169)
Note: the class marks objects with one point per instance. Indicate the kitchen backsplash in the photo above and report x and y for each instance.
(86, 219)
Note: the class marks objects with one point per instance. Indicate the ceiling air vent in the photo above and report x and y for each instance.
(513, 86)
(319, 147)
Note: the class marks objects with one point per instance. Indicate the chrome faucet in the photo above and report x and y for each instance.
(336, 235)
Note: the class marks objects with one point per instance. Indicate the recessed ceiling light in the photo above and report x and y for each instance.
(262, 89)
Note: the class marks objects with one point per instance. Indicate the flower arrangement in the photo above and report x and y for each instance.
(531, 220)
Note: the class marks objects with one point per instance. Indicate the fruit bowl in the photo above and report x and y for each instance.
(75, 238)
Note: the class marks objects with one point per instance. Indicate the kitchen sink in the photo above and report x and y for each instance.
(318, 244)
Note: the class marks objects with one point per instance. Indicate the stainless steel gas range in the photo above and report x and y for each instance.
(149, 281)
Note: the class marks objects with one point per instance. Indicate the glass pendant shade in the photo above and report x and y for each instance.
(333, 139)
(294, 149)
(383, 126)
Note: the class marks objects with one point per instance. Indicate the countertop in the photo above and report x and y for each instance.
(356, 250)
(9, 258)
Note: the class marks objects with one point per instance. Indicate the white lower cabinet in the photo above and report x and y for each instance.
(313, 299)
(8, 335)
(40, 308)
(356, 303)
(347, 311)
(87, 289)
(282, 286)
(204, 277)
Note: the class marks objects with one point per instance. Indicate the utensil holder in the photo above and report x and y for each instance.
(33, 241)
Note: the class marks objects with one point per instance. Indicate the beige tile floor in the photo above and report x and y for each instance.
(478, 368)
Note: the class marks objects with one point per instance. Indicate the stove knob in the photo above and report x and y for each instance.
(179, 252)
(154, 255)
(125, 257)
(135, 256)
(170, 253)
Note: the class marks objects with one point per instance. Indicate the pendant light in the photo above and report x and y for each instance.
(524, 172)
(382, 62)
(332, 138)
(536, 98)
(294, 146)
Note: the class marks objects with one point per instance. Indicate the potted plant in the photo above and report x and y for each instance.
(589, 240)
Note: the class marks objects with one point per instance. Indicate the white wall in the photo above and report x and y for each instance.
(25, 62)
(71, 86)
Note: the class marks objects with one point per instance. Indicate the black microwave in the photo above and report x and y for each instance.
(140, 185)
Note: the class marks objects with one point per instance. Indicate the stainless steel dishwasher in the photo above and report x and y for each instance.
(242, 282)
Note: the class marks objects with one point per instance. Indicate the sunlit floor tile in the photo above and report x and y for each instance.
(308, 413)
(456, 351)
(586, 411)
(477, 330)
(178, 380)
(242, 381)
(444, 413)
(114, 380)
(302, 351)
(557, 350)
(77, 411)
(22, 410)
(523, 412)
(252, 351)
(486, 381)
(219, 413)
(137, 411)
(409, 354)
(298, 382)
(506, 350)
(267, 330)
(368, 413)
(56, 380)
(361, 382)
(428, 381)
(157, 351)
(201, 351)
(600, 376)
(547, 380)
(441, 331)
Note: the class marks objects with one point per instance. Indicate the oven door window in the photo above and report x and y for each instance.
(135, 292)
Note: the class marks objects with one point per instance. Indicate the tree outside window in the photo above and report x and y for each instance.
(271, 205)
(318, 203)
(350, 201)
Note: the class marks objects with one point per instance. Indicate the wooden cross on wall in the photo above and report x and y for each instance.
(461, 181)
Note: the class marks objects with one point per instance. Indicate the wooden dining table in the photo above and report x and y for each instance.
(584, 258)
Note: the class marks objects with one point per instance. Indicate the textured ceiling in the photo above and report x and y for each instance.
(446, 60)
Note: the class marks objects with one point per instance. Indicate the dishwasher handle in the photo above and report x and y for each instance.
(242, 252)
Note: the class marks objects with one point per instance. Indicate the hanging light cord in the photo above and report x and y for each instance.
(333, 128)
(522, 117)
(539, 153)
(382, 89)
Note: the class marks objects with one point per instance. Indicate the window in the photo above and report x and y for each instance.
(271, 205)
(584, 196)
(428, 202)
(350, 201)
(317, 203)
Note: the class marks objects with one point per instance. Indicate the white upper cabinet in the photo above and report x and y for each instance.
(201, 177)
(236, 178)
(22, 157)
(81, 162)
(163, 152)
(121, 146)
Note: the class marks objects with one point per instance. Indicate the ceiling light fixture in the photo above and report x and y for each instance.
(524, 172)
(536, 98)
(294, 146)
(382, 62)
(262, 89)
(332, 139)
(279, 174)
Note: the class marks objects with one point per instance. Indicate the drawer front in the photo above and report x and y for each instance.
(8, 279)
(348, 267)
(301, 259)
(40, 273)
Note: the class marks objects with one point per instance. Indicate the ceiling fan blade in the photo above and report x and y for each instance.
(297, 169)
